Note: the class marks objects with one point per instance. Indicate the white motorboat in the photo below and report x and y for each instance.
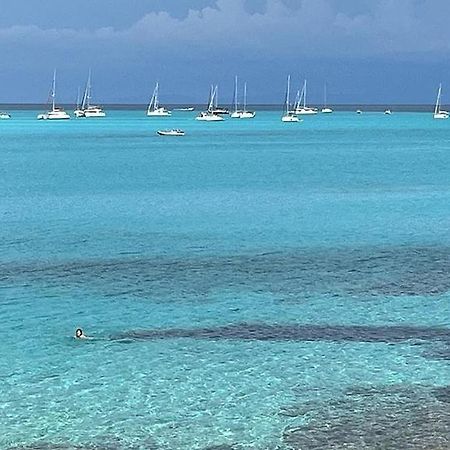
(300, 107)
(4, 115)
(289, 116)
(325, 109)
(189, 108)
(174, 132)
(210, 115)
(89, 110)
(358, 111)
(56, 113)
(438, 112)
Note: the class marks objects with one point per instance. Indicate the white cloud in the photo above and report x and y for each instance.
(316, 28)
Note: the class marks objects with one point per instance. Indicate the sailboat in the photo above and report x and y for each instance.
(236, 114)
(289, 116)
(56, 113)
(300, 107)
(154, 110)
(218, 109)
(209, 115)
(325, 109)
(78, 111)
(5, 115)
(438, 112)
(241, 113)
(88, 109)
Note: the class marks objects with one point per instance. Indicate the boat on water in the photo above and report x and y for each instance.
(174, 132)
(358, 111)
(325, 109)
(438, 112)
(5, 115)
(289, 116)
(88, 109)
(78, 112)
(56, 113)
(218, 110)
(300, 107)
(241, 113)
(189, 108)
(154, 109)
(387, 112)
(210, 115)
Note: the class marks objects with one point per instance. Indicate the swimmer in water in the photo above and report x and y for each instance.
(79, 334)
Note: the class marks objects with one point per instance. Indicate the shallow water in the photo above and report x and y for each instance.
(252, 285)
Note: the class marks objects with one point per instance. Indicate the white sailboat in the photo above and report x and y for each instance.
(325, 109)
(78, 110)
(289, 116)
(241, 113)
(88, 109)
(209, 115)
(438, 112)
(387, 112)
(56, 113)
(5, 115)
(300, 107)
(236, 114)
(219, 110)
(154, 109)
(246, 114)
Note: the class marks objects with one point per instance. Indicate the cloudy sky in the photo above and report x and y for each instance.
(367, 51)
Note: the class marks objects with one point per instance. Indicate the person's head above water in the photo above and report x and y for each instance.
(79, 333)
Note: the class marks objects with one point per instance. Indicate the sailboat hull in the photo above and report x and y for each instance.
(209, 118)
(290, 118)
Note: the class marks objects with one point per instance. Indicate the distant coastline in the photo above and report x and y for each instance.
(259, 107)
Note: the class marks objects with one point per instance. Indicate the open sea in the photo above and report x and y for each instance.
(253, 285)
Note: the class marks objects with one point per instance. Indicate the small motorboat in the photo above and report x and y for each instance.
(170, 132)
(4, 115)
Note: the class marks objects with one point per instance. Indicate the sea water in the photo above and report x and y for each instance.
(251, 285)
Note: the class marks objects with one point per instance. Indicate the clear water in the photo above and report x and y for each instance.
(252, 285)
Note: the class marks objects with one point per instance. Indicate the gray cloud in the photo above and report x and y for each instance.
(312, 28)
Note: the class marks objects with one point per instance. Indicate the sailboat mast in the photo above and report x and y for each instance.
(155, 106)
(89, 89)
(53, 90)
(287, 93)
(78, 98)
(438, 100)
(211, 99)
(245, 97)
(325, 95)
(304, 95)
(235, 93)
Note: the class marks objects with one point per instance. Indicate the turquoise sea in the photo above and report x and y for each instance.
(252, 285)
